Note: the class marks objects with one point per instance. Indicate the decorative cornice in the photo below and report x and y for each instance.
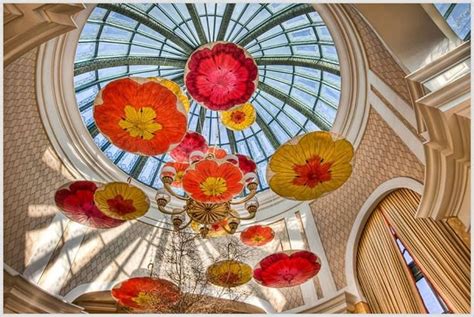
(29, 25)
(443, 119)
(21, 296)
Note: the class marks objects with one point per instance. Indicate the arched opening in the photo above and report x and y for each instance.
(411, 265)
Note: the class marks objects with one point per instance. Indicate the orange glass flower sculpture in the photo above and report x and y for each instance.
(221, 75)
(257, 235)
(146, 294)
(309, 166)
(213, 181)
(140, 115)
(76, 201)
(286, 269)
(239, 118)
(229, 273)
(121, 201)
(179, 170)
(219, 153)
(191, 142)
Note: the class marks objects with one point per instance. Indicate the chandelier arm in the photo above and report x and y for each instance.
(250, 216)
(185, 226)
(245, 199)
(170, 190)
(228, 231)
(163, 210)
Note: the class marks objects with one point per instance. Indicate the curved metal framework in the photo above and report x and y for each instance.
(299, 83)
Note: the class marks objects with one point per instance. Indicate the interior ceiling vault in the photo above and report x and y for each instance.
(299, 73)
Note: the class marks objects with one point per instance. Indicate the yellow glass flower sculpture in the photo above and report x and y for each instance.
(229, 273)
(121, 201)
(239, 118)
(309, 166)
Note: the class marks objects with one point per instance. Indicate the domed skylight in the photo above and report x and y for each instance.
(299, 83)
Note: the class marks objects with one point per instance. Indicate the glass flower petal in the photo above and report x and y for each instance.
(146, 294)
(213, 181)
(257, 235)
(229, 273)
(191, 142)
(221, 75)
(121, 201)
(239, 118)
(140, 115)
(310, 166)
(286, 269)
(76, 201)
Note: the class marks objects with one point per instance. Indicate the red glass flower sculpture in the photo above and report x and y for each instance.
(76, 201)
(191, 142)
(221, 76)
(177, 175)
(246, 164)
(140, 115)
(257, 235)
(287, 269)
(146, 294)
(213, 181)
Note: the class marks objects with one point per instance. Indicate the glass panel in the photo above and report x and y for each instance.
(429, 297)
(460, 19)
(127, 162)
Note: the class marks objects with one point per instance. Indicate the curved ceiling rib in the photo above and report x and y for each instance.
(325, 65)
(197, 22)
(300, 107)
(275, 20)
(148, 21)
(299, 83)
(229, 9)
(105, 62)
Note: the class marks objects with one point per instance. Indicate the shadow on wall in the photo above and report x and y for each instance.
(32, 171)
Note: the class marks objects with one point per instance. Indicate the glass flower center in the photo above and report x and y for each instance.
(214, 186)
(120, 205)
(222, 78)
(314, 172)
(179, 176)
(288, 277)
(140, 123)
(238, 116)
(229, 278)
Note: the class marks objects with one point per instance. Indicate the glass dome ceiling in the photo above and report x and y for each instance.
(299, 83)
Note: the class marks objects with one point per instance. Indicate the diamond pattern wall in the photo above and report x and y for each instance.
(32, 171)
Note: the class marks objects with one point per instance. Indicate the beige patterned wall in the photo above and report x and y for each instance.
(381, 156)
(380, 60)
(31, 170)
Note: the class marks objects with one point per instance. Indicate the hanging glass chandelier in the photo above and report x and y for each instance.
(210, 185)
